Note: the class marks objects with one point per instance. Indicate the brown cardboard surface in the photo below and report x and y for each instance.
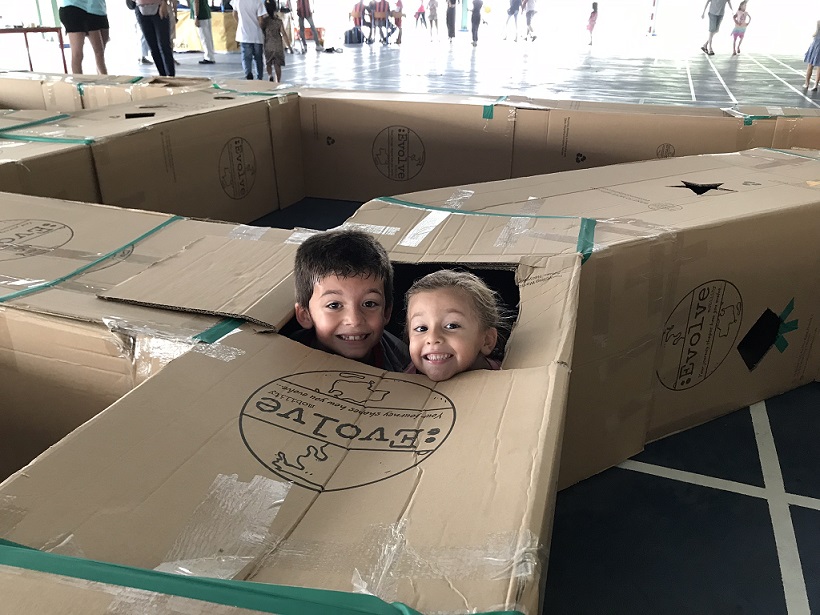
(200, 154)
(801, 132)
(359, 146)
(657, 242)
(522, 102)
(363, 495)
(22, 91)
(770, 111)
(286, 139)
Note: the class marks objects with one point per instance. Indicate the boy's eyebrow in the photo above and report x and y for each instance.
(332, 291)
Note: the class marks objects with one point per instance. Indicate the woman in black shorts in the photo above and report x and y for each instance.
(83, 18)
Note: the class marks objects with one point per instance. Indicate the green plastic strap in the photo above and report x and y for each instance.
(33, 139)
(43, 285)
(586, 238)
(395, 201)
(489, 110)
(219, 330)
(240, 93)
(781, 343)
(790, 153)
(46, 120)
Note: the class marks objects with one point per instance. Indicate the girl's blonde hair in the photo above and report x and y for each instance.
(484, 300)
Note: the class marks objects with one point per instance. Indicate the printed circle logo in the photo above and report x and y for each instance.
(398, 153)
(699, 334)
(665, 150)
(303, 426)
(237, 168)
(23, 238)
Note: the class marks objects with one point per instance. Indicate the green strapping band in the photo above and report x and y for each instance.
(489, 110)
(781, 343)
(46, 120)
(586, 238)
(219, 330)
(266, 598)
(34, 139)
(43, 285)
(790, 153)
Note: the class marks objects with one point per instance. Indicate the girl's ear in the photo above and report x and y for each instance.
(489, 341)
(303, 317)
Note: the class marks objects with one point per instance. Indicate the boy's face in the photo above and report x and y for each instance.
(349, 315)
(446, 337)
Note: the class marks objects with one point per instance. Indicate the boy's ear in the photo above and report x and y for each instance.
(303, 317)
(490, 339)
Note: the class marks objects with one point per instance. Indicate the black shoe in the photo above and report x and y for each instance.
(249, 77)
(270, 78)
(144, 60)
(207, 62)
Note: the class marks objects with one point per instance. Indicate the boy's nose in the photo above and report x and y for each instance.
(355, 316)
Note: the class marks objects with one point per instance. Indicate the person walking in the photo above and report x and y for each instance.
(716, 10)
(592, 21)
(476, 19)
(249, 34)
(742, 21)
(432, 17)
(85, 19)
(812, 58)
(512, 13)
(305, 12)
(451, 19)
(201, 14)
(154, 19)
(529, 8)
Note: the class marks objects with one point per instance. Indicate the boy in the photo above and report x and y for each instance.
(344, 297)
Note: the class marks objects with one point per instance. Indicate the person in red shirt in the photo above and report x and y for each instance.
(303, 12)
(397, 15)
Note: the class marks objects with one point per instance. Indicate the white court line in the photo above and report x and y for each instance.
(784, 65)
(784, 82)
(689, 75)
(722, 82)
(794, 584)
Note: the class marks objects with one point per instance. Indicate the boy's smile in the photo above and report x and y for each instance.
(349, 315)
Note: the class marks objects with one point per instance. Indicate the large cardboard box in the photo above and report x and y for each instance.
(357, 146)
(551, 140)
(685, 314)
(200, 154)
(53, 92)
(64, 354)
(335, 474)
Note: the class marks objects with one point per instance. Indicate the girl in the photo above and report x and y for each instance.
(593, 19)
(274, 45)
(452, 324)
(742, 21)
(85, 19)
(813, 59)
(432, 16)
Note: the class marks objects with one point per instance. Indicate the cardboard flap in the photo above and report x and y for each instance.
(229, 277)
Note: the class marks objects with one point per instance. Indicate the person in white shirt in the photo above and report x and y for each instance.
(249, 34)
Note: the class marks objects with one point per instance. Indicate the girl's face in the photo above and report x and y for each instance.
(446, 337)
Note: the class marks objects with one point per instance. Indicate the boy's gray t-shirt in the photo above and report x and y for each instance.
(391, 354)
(717, 7)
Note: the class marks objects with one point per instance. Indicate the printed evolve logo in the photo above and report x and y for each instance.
(23, 238)
(237, 168)
(699, 333)
(398, 153)
(302, 426)
(665, 150)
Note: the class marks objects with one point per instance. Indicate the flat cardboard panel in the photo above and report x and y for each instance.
(286, 139)
(358, 147)
(211, 419)
(797, 133)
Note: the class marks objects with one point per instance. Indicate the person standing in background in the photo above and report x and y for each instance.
(742, 21)
(716, 11)
(153, 16)
(812, 58)
(286, 15)
(81, 19)
(512, 13)
(272, 27)
(529, 7)
(451, 19)
(201, 14)
(249, 34)
(432, 16)
(593, 19)
(303, 12)
(476, 19)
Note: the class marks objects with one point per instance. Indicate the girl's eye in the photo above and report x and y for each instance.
(452, 325)
(420, 329)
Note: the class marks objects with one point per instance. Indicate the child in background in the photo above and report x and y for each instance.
(452, 324)
(593, 19)
(812, 58)
(742, 21)
(421, 16)
(344, 297)
(274, 30)
(432, 16)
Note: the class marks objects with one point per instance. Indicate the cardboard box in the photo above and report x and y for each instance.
(685, 314)
(358, 146)
(769, 111)
(525, 102)
(797, 132)
(64, 353)
(547, 141)
(45, 91)
(57, 170)
(201, 154)
(335, 472)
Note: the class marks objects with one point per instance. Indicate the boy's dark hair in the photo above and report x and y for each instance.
(344, 253)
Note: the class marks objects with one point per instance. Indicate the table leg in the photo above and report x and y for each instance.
(28, 51)
(62, 50)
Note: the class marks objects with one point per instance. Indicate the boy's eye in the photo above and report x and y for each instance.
(371, 304)
(333, 305)
(420, 329)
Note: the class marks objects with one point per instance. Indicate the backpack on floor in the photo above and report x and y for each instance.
(354, 36)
